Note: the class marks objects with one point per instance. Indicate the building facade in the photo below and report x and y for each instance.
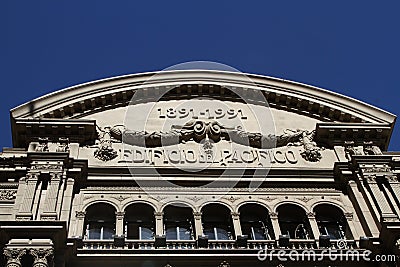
(208, 168)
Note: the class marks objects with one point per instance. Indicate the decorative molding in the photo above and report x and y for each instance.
(232, 198)
(304, 199)
(8, 194)
(120, 198)
(195, 198)
(46, 166)
(268, 198)
(336, 199)
(216, 189)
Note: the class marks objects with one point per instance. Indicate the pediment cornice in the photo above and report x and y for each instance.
(77, 101)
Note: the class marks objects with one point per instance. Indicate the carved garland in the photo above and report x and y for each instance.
(198, 131)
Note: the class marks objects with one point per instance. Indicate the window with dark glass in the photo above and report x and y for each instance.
(217, 222)
(255, 222)
(178, 223)
(293, 221)
(100, 222)
(331, 221)
(139, 222)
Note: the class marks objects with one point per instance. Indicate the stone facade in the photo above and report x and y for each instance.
(190, 167)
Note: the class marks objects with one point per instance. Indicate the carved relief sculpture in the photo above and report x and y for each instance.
(199, 130)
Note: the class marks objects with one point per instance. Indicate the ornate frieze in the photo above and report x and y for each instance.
(44, 166)
(198, 131)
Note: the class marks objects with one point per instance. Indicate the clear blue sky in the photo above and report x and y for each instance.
(350, 47)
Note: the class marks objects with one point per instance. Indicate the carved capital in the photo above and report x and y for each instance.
(392, 178)
(13, 256)
(311, 215)
(43, 144)
(41, 256)
(158, 214)
(80, 214)
(224, 264)
(348, 216)
(56, 176)
(120, 215)
(235, 215)
(371, 149)
(370, 179)
(273, 215)
(197, 215)
(32, 177)
(63, 145)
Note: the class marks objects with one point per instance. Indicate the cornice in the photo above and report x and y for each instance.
(116, 91)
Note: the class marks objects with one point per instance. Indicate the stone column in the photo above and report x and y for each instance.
(314, 225)
(80, 220)
(236, 223)
(119, 225)
(51, 196)
(275, 224)
(159, 222)
(66, 206)
(197, 223)
(41, 256)
(385, 209)
(25, 211)
(13, 256)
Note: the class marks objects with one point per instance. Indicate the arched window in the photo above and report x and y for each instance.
(100, 221)
(255, 222)
(178, 223)
(217, 222)
(293, 221)
(139, 222)
(331, 221)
